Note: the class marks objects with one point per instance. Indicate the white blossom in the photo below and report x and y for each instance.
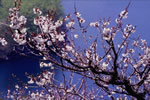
(118, 21)
(3, 41)
(41, 64)
(136, 43)
(70, 24)
(107, 37)
(125, 55)
(81, 20)
(124, 14)
(120, 46)
(88, 54)
(37, 11)
(109, 57)
(22, 19)
(76, 36)
(104, 65)
(41, 82)
(147, 52)
(69, 48)
(143, 41)
(70, 90)
(17, 86)
(58, 23)
(77, 14)
(106, 30)
(106, 23)
(95, 24)
(31, 81)
(19, 38)
(60, 37)
(49, 43)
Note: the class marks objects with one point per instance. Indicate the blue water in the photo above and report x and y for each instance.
(18, 66)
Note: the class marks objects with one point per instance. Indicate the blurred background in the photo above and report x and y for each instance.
(91, 11)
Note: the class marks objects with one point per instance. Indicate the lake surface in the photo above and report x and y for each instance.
(18, 66)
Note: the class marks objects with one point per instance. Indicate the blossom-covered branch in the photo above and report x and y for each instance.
(119, 69)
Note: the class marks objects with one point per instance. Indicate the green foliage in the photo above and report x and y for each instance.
(26, 10)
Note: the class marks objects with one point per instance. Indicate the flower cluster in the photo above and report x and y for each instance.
(80, 19)
(123, 14)
(70, 24)
(18, 23)
(47, 23)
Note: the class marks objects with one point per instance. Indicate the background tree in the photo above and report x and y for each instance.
(27, 6)
(27, 10)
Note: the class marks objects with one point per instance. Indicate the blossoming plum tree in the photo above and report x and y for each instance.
(118, 70)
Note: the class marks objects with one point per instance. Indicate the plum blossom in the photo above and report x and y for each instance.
(81, 20)
(147, 52)
(44, 79)
(96, 57)
(13, 17)
(129, 28)
(19, 38)
(3, 41)
(36, 21)
(107, 37)
(104, 65)
(40, 42)
(109, 57)
(95, 24)
(106, 23)
(17, 86)
(37, 11)
(61, 37)
(58, 23)
(22, 20)
(31, 81)
(143, 41)
(88, 53)
(42, 64)
(124, 14)
(125, 55)
(77, 14)
(17, 22)
(40, 39)
(106, 30)
(135, 43)
(69, 48)
(76, 36)
(118, 21)
(41, 82)
(70, 24)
